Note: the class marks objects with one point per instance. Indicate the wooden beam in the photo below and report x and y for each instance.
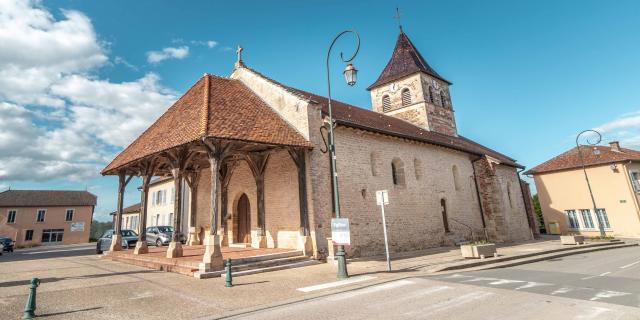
(299, 158)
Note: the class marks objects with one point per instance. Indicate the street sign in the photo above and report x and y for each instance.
(340, 234)
(382, 197)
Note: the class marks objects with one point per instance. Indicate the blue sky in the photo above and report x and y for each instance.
(83, 78)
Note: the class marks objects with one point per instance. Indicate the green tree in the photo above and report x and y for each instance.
(98, 228)
(538, 210)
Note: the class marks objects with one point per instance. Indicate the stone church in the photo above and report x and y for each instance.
(252, 153)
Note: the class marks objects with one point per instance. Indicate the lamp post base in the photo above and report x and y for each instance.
(342, 263)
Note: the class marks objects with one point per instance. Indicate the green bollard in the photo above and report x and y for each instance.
(228, 282)
(30, 307)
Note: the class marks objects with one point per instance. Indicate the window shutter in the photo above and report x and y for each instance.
(406, 97)
(635, 181)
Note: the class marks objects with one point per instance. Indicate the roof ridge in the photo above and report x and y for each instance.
(204, 120)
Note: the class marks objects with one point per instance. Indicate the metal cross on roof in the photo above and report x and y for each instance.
(397, 17)
(239, 53)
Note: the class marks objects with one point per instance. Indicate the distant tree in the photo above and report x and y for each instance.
(538, 209)
(98, 228)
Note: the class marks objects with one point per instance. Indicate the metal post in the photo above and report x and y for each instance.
(228, 281)
(30, 306)
(340, 253)
(386, 240)
(586, 177)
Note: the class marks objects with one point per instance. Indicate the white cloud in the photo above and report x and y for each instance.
(625, 128)
(167, 53)
(57, 119)
(209, 43)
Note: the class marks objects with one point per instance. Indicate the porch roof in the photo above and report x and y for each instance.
(213, 107)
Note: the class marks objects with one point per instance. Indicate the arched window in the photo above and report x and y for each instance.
(386, 103)
(375, 163)
(443, 102)
(431, 94)
(406, 97)
(417, 166)
(456, 177)
(445, 219)
(397, 172)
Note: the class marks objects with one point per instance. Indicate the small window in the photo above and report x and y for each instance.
(445, 218)
(456, 178)
(406, 97)
(41, 214)
(431, 94)
(573, 219)
(417, 167)
(443, 101)
(11, 216)
(173, 194)
(170, 222)
(635, 181)
(28, 235)
(586, 218)
(397, 172)
(602, 215)
(386, 103)
(69, 216)
(153, 199)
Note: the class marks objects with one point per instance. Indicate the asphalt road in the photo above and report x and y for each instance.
(598, 285)
(47, 252)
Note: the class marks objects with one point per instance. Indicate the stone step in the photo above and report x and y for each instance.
(303, 263)
(239, 245)
(155, 265)
(260, 266)
(265, 257)
(267, 263)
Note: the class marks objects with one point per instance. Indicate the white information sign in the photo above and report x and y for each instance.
(340, 234)
(382, 197)
(77, 227)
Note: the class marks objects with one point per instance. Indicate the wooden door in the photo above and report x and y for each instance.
(244, 221)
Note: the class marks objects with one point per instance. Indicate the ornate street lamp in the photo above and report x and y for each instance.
(586, 177)
(350, 74)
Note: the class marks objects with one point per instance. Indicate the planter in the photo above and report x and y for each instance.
(572, 240)
(478, 250)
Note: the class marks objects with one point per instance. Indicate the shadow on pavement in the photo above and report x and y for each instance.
(66, 312)
(56, 279)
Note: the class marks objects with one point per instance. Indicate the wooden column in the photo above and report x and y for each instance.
(193, 178)
(116, 240)
(178, 159)
(299, 158)
(258, 164)
(226, 170)
(147, 169)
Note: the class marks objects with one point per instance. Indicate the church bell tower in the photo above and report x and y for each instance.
(409, 89)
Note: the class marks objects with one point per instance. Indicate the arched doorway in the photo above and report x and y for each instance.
(244, 220)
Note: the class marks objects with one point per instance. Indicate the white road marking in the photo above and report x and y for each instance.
(532, 284)
(456, 276)
(59, 250)
(593, 313)
(630, 265)
(146, 294)
(608, 294)
(336, 283)
(504, 281)
(359, 292)
(476, 279)
(562, 290)
(599, 275)
(452, 303)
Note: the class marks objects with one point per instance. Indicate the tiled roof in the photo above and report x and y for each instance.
(405, 60)
(135, 208)
(213, 107)
(352, 116)
(571, 158)
(44, 198)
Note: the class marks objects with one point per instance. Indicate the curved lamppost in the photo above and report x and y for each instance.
(586, 177)
(350, 75)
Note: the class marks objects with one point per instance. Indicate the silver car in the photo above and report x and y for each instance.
(161, 235)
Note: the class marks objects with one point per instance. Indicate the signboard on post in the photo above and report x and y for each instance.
(382, 198)
(340, 234)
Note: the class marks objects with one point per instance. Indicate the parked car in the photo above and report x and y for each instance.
(161, 235)
(129, 239)
(7, 244)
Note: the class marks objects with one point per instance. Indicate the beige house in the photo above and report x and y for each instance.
(32, 217)
(614, 175)
(252, 153)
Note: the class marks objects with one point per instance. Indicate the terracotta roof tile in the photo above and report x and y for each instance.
(42, 198)
(352, 116)
(233, 112)
(571, 159)
(405, 60)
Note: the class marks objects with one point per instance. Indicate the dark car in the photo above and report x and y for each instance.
(7, 244)
(129, 239)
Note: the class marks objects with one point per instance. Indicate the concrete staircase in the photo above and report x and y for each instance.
(260, 264)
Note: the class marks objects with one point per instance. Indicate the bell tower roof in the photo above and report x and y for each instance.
(404, 61)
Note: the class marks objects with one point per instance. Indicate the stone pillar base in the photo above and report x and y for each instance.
(174, 250)
(193, 237)
(259, 242)
(331, 250)
(212, 258)
(116, 243)
(141, 247)
(224, 240)
(305, 244)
